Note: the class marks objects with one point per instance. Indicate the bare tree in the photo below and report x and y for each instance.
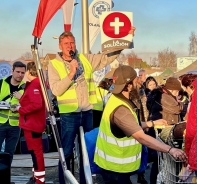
(193, 44)
(132, 54)
(123, 56)
(133, 60)
(167, 58)
(26, 55)
(154, 62)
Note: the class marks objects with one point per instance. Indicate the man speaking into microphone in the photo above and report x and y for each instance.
(71, 81)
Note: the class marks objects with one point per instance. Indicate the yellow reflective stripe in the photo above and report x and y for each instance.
(67, 101)
(114, 141)
(40, 173)
(117, 160)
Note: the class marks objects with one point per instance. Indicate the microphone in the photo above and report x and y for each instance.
(72, 54)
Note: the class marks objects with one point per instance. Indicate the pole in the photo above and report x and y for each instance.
(85, 50)
(85, 27)
(69, 178)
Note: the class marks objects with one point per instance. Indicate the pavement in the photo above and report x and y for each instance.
(21, 169)
(22, 164)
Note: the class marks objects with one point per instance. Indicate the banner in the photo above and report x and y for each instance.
(116, 30)
(67, 9)
(46, 10)
(5, 69)
(95, 10)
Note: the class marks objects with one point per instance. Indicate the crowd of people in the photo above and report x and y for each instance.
(126, 108)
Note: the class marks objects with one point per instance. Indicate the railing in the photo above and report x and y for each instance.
(86, 163)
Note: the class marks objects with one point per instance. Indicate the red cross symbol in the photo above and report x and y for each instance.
(116, 25)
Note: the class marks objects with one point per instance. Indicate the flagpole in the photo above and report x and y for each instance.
(85, 50)
(85, 27)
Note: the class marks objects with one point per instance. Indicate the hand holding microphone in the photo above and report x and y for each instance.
(73, 65)
(72, 54)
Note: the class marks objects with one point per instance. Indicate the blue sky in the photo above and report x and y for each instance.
(160, 24)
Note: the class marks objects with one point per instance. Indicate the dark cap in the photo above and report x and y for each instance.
(172, 83)
(122, 75)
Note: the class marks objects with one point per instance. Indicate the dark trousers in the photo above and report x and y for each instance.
(97, 118)
(11, 136)
(154, 171)
(111, 177)
(153, 157)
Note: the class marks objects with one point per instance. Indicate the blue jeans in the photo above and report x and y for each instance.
(70, 123)
(11, 136)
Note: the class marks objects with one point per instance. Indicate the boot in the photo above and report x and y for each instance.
(31, 181)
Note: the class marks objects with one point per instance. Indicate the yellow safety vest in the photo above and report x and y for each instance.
(67, 102)
(100, 94)
(8, 114)
(120, 155)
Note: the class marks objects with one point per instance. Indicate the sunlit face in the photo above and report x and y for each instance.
(175, 92)
(135, 83)
(66, 44)
(184, 88)
(188, 90)
(18, 74)
(151, 85)
(142, 76)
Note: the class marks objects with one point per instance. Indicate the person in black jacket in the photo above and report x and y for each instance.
(162, 103)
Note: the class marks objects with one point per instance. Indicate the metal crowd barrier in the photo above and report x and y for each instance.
(86, 163)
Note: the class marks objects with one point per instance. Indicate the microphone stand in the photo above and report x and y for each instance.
(69, 178)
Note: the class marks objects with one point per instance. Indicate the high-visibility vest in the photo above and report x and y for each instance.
(100, 94)
(67, 102)
(120, 155)
(8, 114)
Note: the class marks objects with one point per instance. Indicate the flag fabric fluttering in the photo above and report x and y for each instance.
(46, 10)
(95, 10)
(67, 9)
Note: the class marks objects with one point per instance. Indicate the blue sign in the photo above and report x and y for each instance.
(5, 69)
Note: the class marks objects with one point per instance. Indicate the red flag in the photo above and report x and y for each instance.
(46, 10)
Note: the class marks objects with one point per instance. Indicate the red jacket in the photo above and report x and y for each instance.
(32, 111)
(191, 131)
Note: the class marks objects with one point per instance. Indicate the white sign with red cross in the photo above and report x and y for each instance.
(115, 27)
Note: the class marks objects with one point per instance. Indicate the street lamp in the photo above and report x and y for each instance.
(55, 37)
